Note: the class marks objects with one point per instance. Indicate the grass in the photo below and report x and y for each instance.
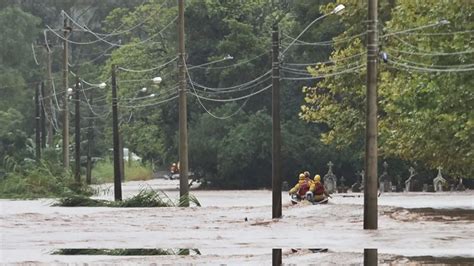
(124, 252)
(103, 172)
(146, 197)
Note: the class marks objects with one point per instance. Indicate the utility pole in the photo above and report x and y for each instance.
(122, 163)
(77, 125)
(276, 132)
(49, 105)
(37, 123)
(370, 186)
(43, 118)
(370, 257)
(65, 110)
(90, 141)
(116, 140)
(183, 130)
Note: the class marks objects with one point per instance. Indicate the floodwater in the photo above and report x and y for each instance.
(235, 227)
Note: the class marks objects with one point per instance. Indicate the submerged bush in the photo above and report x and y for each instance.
(43, 179)
(146, 197)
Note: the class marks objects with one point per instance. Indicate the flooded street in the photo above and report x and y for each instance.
(235, 227)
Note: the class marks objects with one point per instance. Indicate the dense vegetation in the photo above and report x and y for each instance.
(426, 116)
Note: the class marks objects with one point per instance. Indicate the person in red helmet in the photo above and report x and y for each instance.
(299, 190)
(174, 169)
(316, 191)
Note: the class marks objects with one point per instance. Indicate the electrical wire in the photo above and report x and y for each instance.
(412, 29)
(204, 107)
(425, 53)
(324, 43)
(426, 69)
(114, 33)
(433, 65)
(151, 104)
(243, 88)
(303, 31)
(441, 33)
(431, 53)
(326, 62)
(34, 54)
(229, 66)
(232, 87)
(94, 59)
(350, 70)
(149, 69)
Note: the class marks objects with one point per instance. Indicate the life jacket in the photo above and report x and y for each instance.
(318, 189)
(304, 187)
(173, 169)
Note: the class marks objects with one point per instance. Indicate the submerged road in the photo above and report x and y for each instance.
(236, 227)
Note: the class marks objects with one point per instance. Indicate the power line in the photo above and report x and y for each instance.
(460, 66)
(149, 69)
(324, 43)
(238, 89)
(204, 107)
(350, 70)
(426, 53)
(151, 104)
(438, 23)
(427, 69)
(233, 87)
(326, 62)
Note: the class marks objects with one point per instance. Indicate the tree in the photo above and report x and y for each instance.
(424, 100)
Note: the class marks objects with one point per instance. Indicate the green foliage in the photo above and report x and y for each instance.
(146, 198)
(113, 252)
(125, 252)
(43, 180)
(424, 116)
(103, 172)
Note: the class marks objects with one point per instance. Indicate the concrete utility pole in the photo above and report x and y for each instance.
(116, 140)
(43, 117)
(370, 186)
(37, 123)
(49, 104)
(90, 141)
(183, 130)
(276, 132)
(77, 137)
(65, 110)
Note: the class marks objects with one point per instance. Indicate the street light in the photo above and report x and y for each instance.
(338, 9)
(102, 85)
(157, 80)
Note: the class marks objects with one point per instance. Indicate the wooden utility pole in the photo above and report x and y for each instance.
(276, 257)
(90, 141)
(116, 139)
(37, 123)
(65, 110)
(43, 117)
(183, 130)
(276, 132)
(77, 137)
(370, 257)
(370, 186)
(49, 104)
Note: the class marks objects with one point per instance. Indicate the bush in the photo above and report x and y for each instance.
(39, 182)
(146, 197)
